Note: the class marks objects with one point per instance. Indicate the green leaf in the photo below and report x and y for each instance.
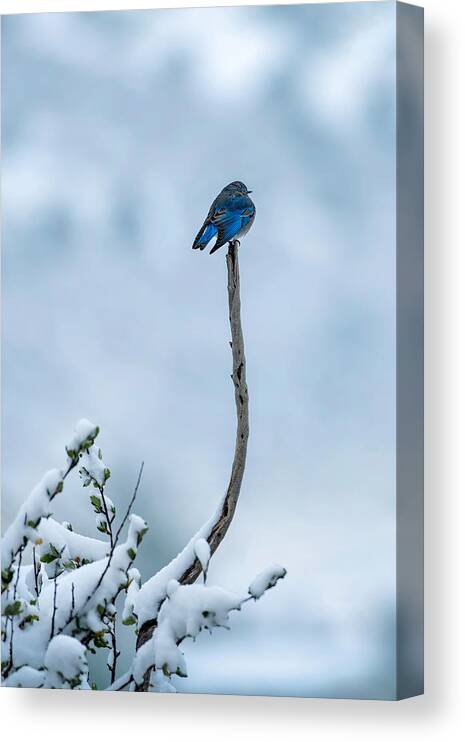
(131, 553)
(97, 503)
(13, 609)
(7, 576)
(69, 565)
(129, 621)
(48, 558)
(102, 527)
(100, 642)
(141, 535)
(29, 619)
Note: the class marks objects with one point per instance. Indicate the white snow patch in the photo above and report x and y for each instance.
(266, 579)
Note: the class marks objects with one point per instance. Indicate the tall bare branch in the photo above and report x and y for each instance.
(226, 513)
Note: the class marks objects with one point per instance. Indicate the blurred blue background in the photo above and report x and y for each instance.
(118, 131)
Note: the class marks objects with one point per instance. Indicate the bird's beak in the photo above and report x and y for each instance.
(249, 191)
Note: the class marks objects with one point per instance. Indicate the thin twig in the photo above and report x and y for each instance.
(115, 653)
(36, 571)
(107, 516)
(131, 503)
(54, 611)
(71, 610)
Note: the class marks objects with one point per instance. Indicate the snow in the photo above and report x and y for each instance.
(83, 437)
(187, 610)
(76, 546)
(66, 664)
(266, 579)
(160, 683)
(203, 553)
(80, 583)
(131, 593)
(36, 507)
(25, 677)
(93, 468)
(153, 592)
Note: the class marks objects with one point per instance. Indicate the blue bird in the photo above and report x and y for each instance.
(230, 217)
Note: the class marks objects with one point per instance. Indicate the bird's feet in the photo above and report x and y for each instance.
(235, 243)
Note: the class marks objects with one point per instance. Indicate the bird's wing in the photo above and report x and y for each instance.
(229, 223)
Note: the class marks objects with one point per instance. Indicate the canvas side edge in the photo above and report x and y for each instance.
(409, 351)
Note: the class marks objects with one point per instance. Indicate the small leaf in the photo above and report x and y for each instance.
(13, 609)
(28, 619)
(129, 621)
(7, 576)
(96, 502)
(100, 642)
(48, 558)
(131, 553)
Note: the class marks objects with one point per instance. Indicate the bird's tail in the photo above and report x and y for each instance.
(207, 233)
(216, 247)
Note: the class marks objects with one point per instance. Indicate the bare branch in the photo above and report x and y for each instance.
(226, 512)
(238, 376)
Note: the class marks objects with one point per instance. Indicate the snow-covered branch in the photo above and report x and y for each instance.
(37, 505)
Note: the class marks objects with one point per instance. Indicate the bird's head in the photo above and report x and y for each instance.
(238, 187)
